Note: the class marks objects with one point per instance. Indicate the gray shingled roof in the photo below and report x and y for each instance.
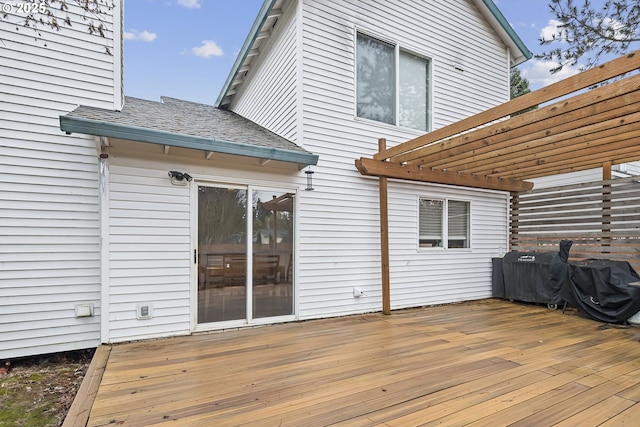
(195, 125)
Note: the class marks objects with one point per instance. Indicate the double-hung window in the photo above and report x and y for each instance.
(392, 85)
(444, 224)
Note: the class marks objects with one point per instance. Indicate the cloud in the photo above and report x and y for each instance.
(207, 49)
(616, 26)
(523, 24)
(144, 36)
(552, 29)
(190, 4)
(538, 74)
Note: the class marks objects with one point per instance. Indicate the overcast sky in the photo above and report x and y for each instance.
(186, 48)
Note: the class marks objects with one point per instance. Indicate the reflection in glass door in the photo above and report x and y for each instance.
(228, 261)
(272, 254)
(222, 249)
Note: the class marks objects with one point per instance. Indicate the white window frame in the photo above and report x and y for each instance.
(397, 49)
(445, 224)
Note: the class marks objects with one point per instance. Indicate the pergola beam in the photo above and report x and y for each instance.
(507, 140)
(599, 104)
(580, 81)
(573, 148)
(623, 155)
(416, 173)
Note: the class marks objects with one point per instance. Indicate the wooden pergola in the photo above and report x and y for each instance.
(492, 150)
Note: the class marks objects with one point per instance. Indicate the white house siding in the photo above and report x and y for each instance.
(150, 247)
(632, 168)
(568, 178)
(339, 228)
(49, 214)
(435, 275)
(618, 171)
(271, 96)
(151, 232)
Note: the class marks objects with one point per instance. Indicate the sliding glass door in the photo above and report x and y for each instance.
(272, 254)
(222, 249)
(241, 279)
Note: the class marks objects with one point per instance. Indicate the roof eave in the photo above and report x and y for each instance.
(263, 14)
(133, 133)
(519, 50)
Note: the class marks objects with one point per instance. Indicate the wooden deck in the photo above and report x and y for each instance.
(485, 363)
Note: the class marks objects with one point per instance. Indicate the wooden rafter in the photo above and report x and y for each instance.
(589, 150)
(559, 117)
(587, 120)
(282, 203)
(628, 154)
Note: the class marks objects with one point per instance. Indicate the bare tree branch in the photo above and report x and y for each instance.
(36, 14)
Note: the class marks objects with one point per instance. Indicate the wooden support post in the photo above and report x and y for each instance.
(606, 208)
(384, 237)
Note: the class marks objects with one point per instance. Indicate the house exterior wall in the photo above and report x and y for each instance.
(433, 275)
(339, 243)
(590, 175)
(270, 97)
(49, 205)
(568, 178)
(149, 259)
(339, 223)
(632, 168)
(152, 233)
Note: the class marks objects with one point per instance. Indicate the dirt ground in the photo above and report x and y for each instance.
(38, 391)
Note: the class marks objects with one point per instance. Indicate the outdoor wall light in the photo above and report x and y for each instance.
(179, 178)
(309, 174)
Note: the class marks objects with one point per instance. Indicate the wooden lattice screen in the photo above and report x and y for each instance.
(602, 219)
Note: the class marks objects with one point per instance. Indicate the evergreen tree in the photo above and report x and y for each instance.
(586, 32)
(519, 87)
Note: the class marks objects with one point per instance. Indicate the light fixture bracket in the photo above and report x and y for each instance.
(179, 178)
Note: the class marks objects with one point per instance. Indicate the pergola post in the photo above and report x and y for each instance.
(384, 236)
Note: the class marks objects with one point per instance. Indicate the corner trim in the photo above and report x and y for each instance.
(491, 6)
(263, 14)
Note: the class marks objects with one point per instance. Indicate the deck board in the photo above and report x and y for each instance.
(482, 363)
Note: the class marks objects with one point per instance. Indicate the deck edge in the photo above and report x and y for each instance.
(78, 414)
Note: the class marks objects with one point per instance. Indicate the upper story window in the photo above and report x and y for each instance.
(392, 84)
(444, 224)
